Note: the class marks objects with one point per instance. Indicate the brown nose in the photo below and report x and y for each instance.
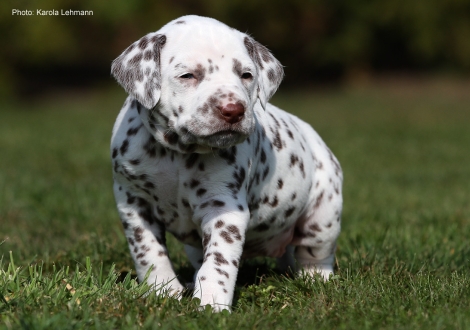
(232, 113)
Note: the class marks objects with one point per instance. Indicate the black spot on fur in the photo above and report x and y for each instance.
(191, 160)
(150, 148)
(149, 185)
(263, 156)
(277, 142)
(185, 203)
(115, 152)
(239, 176)
(265, 173)
(229, 154)
(261, 227)
(200, 192)
(217, 203)
(130, 198)
(289, 211)
(124, 147)
(160, 211)
(171, 138)
(290, 134)
(194, 183)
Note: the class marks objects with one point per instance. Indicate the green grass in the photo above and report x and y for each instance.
(403, 260)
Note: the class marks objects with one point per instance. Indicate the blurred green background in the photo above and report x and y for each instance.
(385, 83)
(319, 41)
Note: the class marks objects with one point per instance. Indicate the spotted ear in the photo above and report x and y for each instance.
(137, 69)
(270, 71)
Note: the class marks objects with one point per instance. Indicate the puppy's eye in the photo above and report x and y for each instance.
(247, 75)
(187, 76)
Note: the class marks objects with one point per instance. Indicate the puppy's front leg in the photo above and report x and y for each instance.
(223, 239)
(146, 238)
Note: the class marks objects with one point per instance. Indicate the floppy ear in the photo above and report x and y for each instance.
(270, 71)
(137, 69)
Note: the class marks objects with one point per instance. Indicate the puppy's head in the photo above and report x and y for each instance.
(198, 81)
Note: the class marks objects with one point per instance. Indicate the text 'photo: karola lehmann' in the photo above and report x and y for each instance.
(51, 12)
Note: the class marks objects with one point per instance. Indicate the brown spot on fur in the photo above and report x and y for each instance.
(226, 236)
(315, 227)
(222, 272)
(219, 259)
(138, 234)
(206, 239)
(319, 200)
(234, 231)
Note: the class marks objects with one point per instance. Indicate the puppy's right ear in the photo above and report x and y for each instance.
(138, 71)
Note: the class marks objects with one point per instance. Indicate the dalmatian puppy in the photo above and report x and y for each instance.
(199, 152)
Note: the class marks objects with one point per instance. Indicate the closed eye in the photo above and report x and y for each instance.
(187, 76)
(247, 75)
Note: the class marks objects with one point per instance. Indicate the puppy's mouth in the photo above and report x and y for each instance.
(220, 140)
(223, 139)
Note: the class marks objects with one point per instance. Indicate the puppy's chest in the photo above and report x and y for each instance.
(265, 174)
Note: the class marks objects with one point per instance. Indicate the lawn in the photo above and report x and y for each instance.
(403, 260)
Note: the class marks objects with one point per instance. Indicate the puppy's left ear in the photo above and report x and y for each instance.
(270, 71)
(138, 71)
